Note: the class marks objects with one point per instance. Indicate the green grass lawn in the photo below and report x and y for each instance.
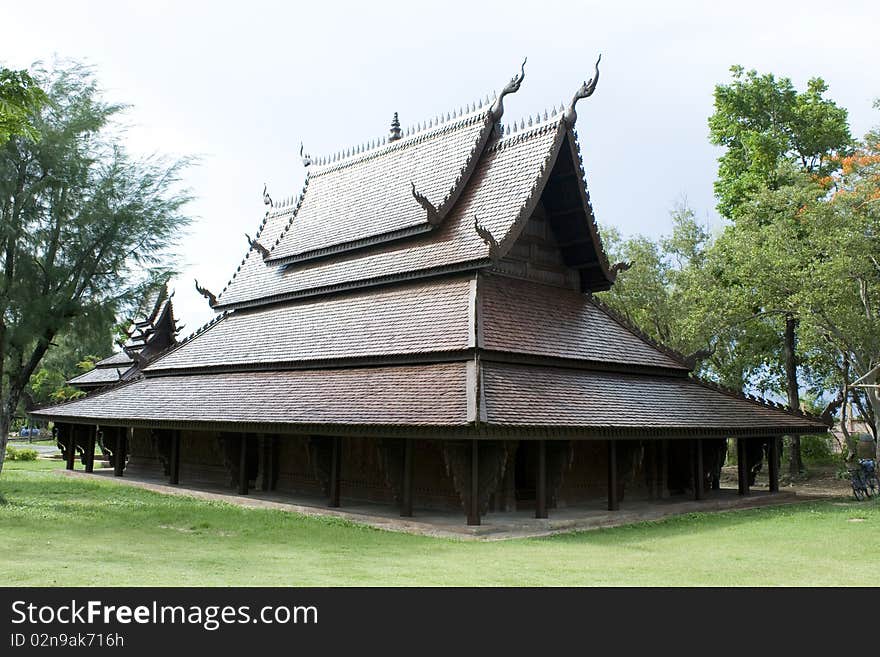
(55, 530)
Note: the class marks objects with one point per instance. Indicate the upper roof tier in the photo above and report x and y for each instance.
(368, 197)
(511, 174)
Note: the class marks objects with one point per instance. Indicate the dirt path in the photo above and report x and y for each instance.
(820, 481)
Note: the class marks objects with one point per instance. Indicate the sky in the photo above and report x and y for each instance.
(241, 84)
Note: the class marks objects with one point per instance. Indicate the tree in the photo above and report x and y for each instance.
(74, 351)
(841, 290)
(770, 133)
(84, 226)
(763, 122)
(20, 98)
(652, 291)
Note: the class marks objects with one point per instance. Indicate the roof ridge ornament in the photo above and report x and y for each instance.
(487, 236)
(512, 87)
(586, 90)
(395, 133)
(617, 267)
(267, 200)
(259, 247)
(212, 300)
(434, 216)
(306, 158)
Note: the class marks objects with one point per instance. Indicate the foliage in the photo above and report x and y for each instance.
(85, 227)
(20, 453)
(651, 292)
(763, 122)
(816, 449)
(20, 97)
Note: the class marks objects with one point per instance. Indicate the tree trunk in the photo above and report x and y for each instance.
(795, 464)
(874, 400)
(5, 422)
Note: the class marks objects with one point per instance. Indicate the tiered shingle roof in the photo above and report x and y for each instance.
(392, 293)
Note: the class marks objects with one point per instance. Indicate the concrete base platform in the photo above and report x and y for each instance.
(495, 526)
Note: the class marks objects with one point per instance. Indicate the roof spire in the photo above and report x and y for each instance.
(586, 90)
(511, 87)
(394, 134)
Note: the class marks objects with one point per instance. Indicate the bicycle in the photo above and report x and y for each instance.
(863, 479)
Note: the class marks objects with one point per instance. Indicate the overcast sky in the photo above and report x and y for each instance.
(240, 84)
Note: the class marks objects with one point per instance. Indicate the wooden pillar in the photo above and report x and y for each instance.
(473, 516)
(242, 465)
(174, 466)
(335, 472)
(613, 502)
(119, 452)
(541, 481)
(664, 469)
(773, 464)
(699, 479)
(741, 466)
(268, 454)
(91, 435)
(406, 501)
(71, 446)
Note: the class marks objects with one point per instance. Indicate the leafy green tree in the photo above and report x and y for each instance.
(841, 287)
(74, 351)
(762, 122)
(20, 97)
(84, 226)
(653, 290)
(771, 133)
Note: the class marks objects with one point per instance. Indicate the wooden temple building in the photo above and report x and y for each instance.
(418, 328)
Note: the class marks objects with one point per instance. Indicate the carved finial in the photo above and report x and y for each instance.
(488, 238)
(266, 198)
(618, 267)
(512, 87)
(394, 134)
(259, 247)
(586, 90)
(212, 300)
(306, 158)
(434, 217)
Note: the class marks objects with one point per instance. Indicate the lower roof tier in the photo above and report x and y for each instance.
(448, 398)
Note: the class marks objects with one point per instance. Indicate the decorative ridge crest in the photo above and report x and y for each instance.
(256, 245)
(212, 300)
(433, 215)
(586, 90)
(518, 131)
(487, 236)
(267, 200)
(618, 267)
(412, 135)
(511, 87)
(290, 205)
